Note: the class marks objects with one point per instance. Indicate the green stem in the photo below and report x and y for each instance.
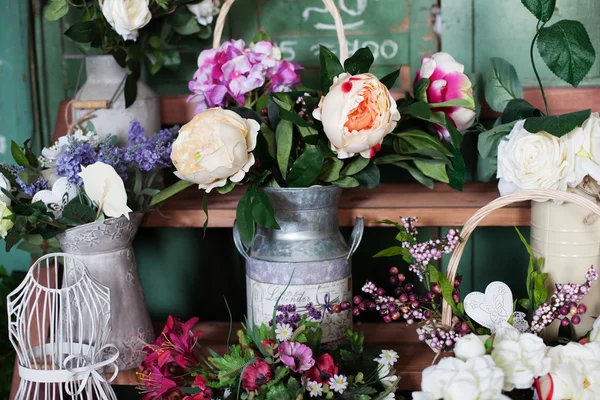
(535, 69)
(170, 191)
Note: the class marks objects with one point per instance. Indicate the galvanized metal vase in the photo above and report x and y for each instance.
(308, 253)
(105, 249)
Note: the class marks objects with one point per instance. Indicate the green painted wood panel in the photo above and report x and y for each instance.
(475, 30)
(16, 115)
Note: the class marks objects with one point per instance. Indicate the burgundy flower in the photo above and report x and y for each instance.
(155, 384)
(256, 375)
(269, 344)
(177, 342)
(295, 355)
(324, 369)
(199, 382)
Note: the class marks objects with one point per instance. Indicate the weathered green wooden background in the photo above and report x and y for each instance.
(186, 275)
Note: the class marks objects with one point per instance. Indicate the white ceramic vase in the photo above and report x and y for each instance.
(104, 76)
(569, 241)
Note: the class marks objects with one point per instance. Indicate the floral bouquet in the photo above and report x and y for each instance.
(136, 31)
(285, 360)
(80, 179)
(527, 149)
(297, 140)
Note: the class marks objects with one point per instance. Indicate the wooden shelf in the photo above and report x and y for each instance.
(413, 356)
(441, 206)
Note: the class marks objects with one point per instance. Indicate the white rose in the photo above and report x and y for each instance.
(356, 114)
(522, 357)
(454, 379)
(5, 223)
(126, 16)
(215, 145)
(204, 11)
(595, 333)
(469, 346)
(4, 184)
(584, 142)
(105, 187)
(533, 161)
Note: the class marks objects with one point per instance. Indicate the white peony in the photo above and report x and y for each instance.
(356, 114)
(105, 187)
(595, 333)
(4, 184)
(453, 379)
(215, 145)
(584, 142)
(470, 346)
(5, 222)
(204, 11)
(522, 357)
(126, 16)
(533, 161)
(575, 372)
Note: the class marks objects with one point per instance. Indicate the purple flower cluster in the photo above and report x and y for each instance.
(234, 70)
(148, 153)
(31, 188)
(438, 338)
(564, 304)
(431, 250)
(313, 313)
(287, 314)
(78, 154)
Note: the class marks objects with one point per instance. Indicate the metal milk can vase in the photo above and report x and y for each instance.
(568, 237)
(105, 82)
(105, 249)
(308, 253)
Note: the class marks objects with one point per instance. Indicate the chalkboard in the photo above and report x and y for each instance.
(398, 32)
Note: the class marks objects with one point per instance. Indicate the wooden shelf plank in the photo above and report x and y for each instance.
(413, 356)
(441, 206)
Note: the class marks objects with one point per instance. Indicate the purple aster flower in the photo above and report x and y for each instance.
(297, 356)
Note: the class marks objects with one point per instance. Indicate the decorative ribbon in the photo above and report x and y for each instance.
(90, 371)
(327, 304)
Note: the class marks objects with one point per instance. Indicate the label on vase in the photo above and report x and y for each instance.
(262, 297)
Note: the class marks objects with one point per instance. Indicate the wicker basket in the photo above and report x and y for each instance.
(339, 26)
(471, 224)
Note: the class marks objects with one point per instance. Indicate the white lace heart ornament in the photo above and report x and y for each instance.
(492, 308)
(56, 199)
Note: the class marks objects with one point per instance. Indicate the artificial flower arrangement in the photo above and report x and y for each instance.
(297, 140)
(284, 360)
(82, 178)
(136, 31)
(527, 149)
(507, 360)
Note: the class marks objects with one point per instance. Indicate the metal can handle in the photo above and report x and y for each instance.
(241, 246)
(356, 237)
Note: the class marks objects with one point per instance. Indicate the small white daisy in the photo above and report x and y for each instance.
(226, 393)
(314, 389)
(283, 332)
(338, 383)
(387, 357)
(386, 375)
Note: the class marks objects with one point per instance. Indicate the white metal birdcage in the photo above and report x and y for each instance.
(59, 319)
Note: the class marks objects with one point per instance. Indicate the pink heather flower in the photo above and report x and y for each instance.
(448, 82)
(256, 375)
(229, 74)
(296, 355)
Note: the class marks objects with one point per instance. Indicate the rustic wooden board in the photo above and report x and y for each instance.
(413, 356)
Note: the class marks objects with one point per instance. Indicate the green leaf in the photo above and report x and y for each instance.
(390, 252)
(227, 188)
(205, 209)
(8, 175)
(284, 101)
(76, 214)
(284, 137)
(487, 142)
(392, 159)
(331, 170)
(262, 211)
(433, 169)
(458, 170)
(269, 136)
(189, 28)
(82, 32)
(525, 303)
(179, 17)
(170, 191)
(390, 79)
(346, 182)
(18, 154)
(420, 89)
(368, 177)
(355, 166)
(56, 10)
(306, 168)
(418, 175)
(294, 389)
(418, 109)
(293, 116)
(542, 9)
(330, 68)
(130, 89)
(525, 243)
(360, 62)
(558, 125)
(262, 102)
(419, 139)
(260, 36)
(464, 103)
(456, 137)
(517, 109)
(278, 392)
(567, 50)
(502, 84)
(243, 216)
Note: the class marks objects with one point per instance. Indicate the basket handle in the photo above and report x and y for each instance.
(339, 26)
(500, 202)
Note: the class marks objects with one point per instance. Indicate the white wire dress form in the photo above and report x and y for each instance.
(59, 319)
